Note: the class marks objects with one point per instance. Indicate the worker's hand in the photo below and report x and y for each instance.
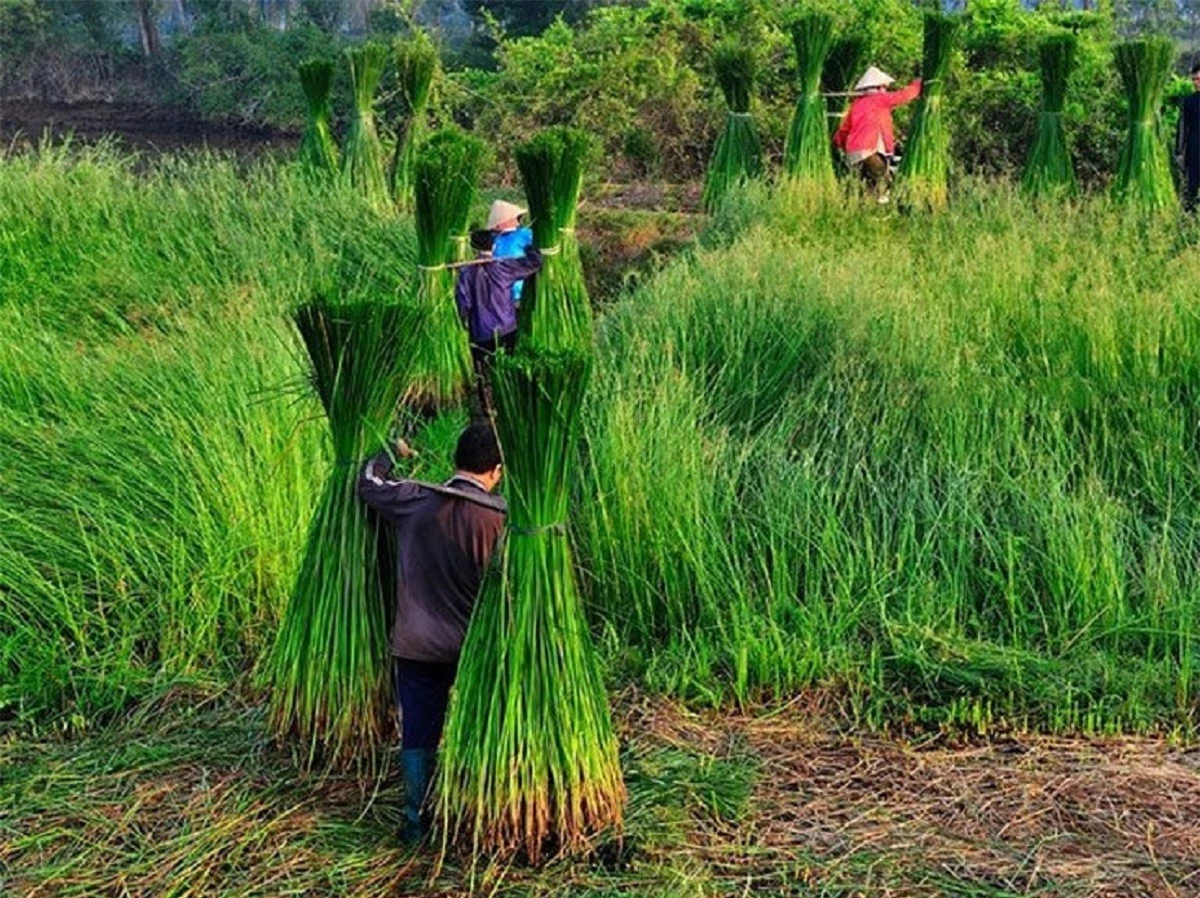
(403, 450)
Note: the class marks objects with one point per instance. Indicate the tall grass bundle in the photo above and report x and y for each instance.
(362, 159)
(808, 156)
(1048, 170)
(738, 153)
(318, 151)
(529, 760)
(556, 314)
(925, 169)
(329, 664)
(416, 64)
(1144, 169)
(843, 62)
(445, 174)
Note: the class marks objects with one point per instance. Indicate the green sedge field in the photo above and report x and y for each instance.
(887, 527)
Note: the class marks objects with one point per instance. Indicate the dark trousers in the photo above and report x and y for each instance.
(1191, 188)
(482, 354)
(422, 694)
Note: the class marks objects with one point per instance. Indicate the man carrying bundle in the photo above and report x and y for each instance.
(484, 294)
(866, 134)
(1187, 142)
(443, 537)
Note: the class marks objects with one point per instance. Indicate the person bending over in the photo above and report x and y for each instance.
(443, 537)
(487, 309)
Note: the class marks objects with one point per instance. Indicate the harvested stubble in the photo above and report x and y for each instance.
(318, 152)
(362, 157)
(529, 760)
(875, 816)
(556, 313)
(738, 153)
(183, 799)
(924, 171)
(808, 156)
(1048, 170)
(329, 665)
(1144, 169)
(416, 64)
(446, 171)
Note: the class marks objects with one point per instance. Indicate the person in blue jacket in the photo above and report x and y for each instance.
(511, 240)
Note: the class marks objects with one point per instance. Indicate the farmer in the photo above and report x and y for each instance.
(504, 221)
(484, 294)
(866, 134)
(1187, 141)
(443, 537)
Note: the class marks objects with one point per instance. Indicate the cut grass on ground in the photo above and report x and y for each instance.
(186, 797)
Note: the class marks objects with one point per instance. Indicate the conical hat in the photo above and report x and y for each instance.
(502, 212)
(874, 78)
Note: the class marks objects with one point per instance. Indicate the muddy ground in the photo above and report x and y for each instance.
(133, 127)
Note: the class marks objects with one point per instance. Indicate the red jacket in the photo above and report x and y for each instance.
(870, 117)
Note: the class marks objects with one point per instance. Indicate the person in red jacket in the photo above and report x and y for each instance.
(866, 134)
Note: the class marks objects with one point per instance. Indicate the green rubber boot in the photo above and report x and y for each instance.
(418, 767)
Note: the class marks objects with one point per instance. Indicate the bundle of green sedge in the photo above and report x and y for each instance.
(329, 664)
(318, 151)
(807, 156)
(1144, 170)
(1048, 171)
(924, 171)
(556, 313)
(738, 153)
(843, 62)
(445, 173)
(529, 764)
(416, 64)
(362, 156)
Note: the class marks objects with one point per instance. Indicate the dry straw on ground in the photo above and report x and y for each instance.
(188, 799)
(1050, 816)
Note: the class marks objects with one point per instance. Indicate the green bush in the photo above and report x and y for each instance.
(249, 75)
(636, 76)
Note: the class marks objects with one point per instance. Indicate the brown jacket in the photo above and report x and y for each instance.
(443, 537)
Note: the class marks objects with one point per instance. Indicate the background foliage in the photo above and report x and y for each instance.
(636, 75)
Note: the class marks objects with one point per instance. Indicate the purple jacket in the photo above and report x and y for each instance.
(443, 537)
(485, 295)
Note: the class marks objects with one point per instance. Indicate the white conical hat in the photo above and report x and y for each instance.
(502, 212)
(874, 78)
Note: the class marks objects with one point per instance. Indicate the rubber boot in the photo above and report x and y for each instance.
(417, 766)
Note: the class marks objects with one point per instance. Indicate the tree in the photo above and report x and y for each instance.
(147, 18)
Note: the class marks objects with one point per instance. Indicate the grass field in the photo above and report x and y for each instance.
(940, 473)
(947, 463)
